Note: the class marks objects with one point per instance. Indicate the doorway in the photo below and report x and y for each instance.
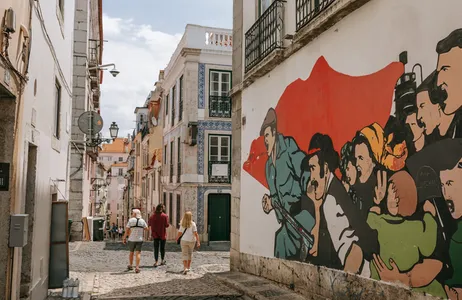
(26, 265)
(219, 217)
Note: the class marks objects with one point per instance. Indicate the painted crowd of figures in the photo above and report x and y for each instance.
(388, 205)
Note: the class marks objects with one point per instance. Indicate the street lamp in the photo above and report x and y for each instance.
(114, 130)
(108, 179)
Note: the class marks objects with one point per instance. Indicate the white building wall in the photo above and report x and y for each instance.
(362, 43)
(49, 62)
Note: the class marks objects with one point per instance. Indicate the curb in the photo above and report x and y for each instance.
(237, 286)
(173, 296)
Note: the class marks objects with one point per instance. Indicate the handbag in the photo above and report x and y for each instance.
(179, 239)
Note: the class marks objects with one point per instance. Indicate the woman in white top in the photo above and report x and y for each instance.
(189, 238)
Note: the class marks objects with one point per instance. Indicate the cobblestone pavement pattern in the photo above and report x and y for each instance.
(101, 268)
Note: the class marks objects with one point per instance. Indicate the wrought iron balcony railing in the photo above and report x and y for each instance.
(307, 10)
(171, 173)
(178, 173)
(219, 172)
(265, 36)
(220, 107)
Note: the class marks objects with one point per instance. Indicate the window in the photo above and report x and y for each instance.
(109, 158)
(220, 83)
(166, 105)
(121, 159)
(143, 188)
(180, 108)
(164, 202)
(173, 105)
(219, 148)
(108, 206)
(178, 173)
(154, 180)
(121, 172)
(57, 117)
(171, 161)
(117, 206)
(263, 6)
(170, 207)
(178, 210)
(165, 154)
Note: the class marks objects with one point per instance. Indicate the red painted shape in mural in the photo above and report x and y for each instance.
(331, 103)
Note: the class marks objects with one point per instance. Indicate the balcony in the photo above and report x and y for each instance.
(219, 172)
(307, 10)
(265, 36)
(220, 107)
(171, 174)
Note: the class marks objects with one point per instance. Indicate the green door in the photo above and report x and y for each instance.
(219, 217)
(98, 234)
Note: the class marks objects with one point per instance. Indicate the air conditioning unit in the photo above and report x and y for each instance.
(192, 134)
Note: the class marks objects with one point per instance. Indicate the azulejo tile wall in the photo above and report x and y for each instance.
(202, 126)
(201, 87)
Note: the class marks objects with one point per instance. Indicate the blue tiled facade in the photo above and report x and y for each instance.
(201, 87)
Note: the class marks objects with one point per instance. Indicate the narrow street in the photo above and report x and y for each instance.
(101, 269)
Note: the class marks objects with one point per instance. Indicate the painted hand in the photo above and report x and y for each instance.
(266, 204)
(430, 208)
(386, 274)
(381, 188)
(453, 293)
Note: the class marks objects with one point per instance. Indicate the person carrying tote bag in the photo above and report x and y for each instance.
(187, 238)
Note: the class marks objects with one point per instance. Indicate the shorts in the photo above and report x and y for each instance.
(135, 246)
(187, 249)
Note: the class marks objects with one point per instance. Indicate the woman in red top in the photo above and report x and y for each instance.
(158, 223)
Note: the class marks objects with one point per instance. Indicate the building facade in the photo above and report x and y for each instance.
(87, 53)
(114, 157)
(36, 80)
(196, 120)
(350, 120)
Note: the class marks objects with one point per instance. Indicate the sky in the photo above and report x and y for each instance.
(141, 38)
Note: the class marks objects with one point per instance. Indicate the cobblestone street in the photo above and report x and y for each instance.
(101, 268)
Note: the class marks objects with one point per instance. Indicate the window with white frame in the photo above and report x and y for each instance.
(220, 83)
(219, 148)
(263, 6)
(121, 172)
(57, 112)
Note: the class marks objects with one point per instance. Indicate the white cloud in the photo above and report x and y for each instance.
(139, 52)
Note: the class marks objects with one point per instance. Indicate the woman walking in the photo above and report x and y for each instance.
(158, 223)
(189, 237)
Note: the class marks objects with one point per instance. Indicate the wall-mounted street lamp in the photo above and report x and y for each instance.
(114, 130)
(114, 72)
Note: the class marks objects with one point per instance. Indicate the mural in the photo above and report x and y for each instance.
(362, 190)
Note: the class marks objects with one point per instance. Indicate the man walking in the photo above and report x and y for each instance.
(135, 232)
(158, 223)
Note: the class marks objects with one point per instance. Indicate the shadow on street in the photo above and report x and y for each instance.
(169, 247)
(180, 288)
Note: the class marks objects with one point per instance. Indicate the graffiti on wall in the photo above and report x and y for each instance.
(358, 189)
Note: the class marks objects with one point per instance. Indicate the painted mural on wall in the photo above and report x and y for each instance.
(357, 189)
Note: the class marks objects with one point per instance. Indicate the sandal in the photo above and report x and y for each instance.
(137, 270)
(129, 267)
(163, 263)
(156, 265)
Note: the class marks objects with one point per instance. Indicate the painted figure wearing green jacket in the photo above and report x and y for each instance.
(283, 174)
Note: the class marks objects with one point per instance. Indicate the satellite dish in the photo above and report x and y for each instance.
(90, 123)
(154, 121)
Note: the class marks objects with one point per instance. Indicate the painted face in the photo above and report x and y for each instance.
(450, 79)
(451, 181)
(417, 131)
(364, 162)
(392, 201)
(318, 183)
(428, 113)
(351, 173)
(270, 139)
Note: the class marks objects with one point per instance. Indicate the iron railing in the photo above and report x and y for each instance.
(171, 173)
(219, 178)
(307, 10)
(178, 173)
(265, 36)
(220, 107)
